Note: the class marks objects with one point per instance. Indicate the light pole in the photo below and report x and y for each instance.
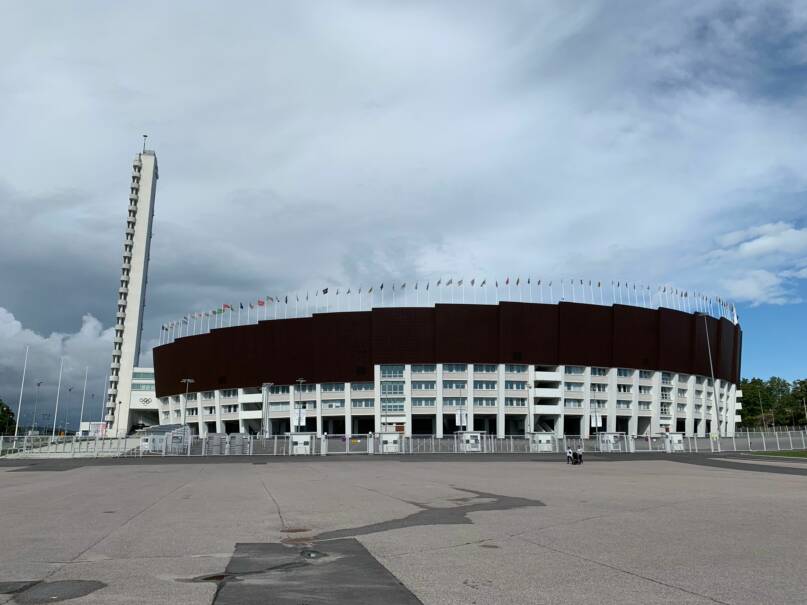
(188, 382)
(36, 401)
(297, 405)
(67, 409)
(266, 422)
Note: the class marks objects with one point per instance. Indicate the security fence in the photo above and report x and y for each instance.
(182, 443)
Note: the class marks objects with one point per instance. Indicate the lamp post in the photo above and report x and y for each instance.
(67, 409)
(297, 405)
(188, 382)
(265, 421)
(36, 401)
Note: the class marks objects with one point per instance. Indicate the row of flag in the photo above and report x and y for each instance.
(723, 307)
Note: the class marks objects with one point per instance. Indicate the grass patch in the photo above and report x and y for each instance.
(793, 454)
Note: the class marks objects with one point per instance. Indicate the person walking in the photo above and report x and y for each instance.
(580, 455)
(568, 455)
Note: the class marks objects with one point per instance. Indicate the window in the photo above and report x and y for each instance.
(208, 395)
(392, 388)
(229, 409)
(682, 392)
(515, 368)
(149, 386)
(622, 404)
(665, 394)
(624, 373)
(573, 386)
(665, 410)
(644, 405)
(392, 404)
(332, 387)
(598, 372)
(598, 404)
(517, 385)
(423, 368)
(392, 371)
(454, 384)
(164, 400)
(681, 408)
(333, 404)
(645, 374)
(229, 393)
(485, 385)
(624, 388)
(142, 375)
(599, 387)
(192, 411)
(278, 389)
(488, 368)
(166, 413)
(698, 408)
(666, 378)
(575, 370)
(645, 390)
(454, 401)
(190, 397)
(362, 386)
(487, 402)
(307, 405)
(362, 403)
(423, 385)
(573, 403)
(423, 402)
(455, 367)
(209, 410)
(515, 402)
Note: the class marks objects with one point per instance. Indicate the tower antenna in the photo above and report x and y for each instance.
(145, 136)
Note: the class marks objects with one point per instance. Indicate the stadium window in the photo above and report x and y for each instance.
(624, 373)
(455, 367)
(392, 404)
(573, 403)
(396, 371)
(332, 387)
(455, 384)
(575, 370)
(362, 403)
(624, 388)
(598, 387)
(573, 386)
(392, 388)
(517, 385)
(277, 390)
(423, 385)
(333, 404)
(644, 405)
(485, 385)
(362, 386)
(488, 402)
(454, 401)
(138, 386)
(598, 372)
(423, 368)
(623, 404)
(515, 402)
(485, 368)
(142, 375)
(645, 374)
(645, 390)
(423, 402)
(515, 368)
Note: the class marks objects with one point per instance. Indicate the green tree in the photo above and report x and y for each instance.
(6, 419)
(773, 402)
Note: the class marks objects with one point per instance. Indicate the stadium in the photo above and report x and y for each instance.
(503, 369)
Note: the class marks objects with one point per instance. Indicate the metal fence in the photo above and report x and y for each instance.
(181, 443)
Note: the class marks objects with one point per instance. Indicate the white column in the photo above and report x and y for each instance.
(377, 390)
(529, 421)
(585, 428)
(610, 409)
(318, 403)
(469, 397)
(500, 416)
(293, 396)
(438, 400)
(408, 400)
(217, 403)
(348, 410)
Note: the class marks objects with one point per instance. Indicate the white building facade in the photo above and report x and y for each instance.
(132, 297)
(499, 399)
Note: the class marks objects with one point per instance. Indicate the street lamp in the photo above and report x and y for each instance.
(266, 388)
(188, 382)
(36, 401)
(297, 407)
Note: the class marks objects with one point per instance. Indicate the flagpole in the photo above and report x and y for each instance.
(83, 396)
(22, 386)
(58, 392)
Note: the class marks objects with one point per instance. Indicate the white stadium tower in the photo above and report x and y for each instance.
(130, 389)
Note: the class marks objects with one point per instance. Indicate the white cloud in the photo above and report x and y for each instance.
(89, 347)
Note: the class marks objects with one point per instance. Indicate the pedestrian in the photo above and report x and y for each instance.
(580, 455)
(568, 455)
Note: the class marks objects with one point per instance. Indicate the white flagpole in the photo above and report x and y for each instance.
(83, 396)
(599, 287)
(58, 392)
(562, 289)
(22, 386)
(550, 293)
(238, 321)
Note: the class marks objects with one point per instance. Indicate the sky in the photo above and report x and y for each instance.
(309, 144)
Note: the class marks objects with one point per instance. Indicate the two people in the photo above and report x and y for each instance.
(574, 457)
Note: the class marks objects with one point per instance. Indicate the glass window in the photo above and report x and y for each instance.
(423, 402)
(396, 371)
(485, 385)
(645, 390)
(455, 384)
(137, 386)
(454, 401)
(599, 372)
(362, 403)
(333, 404)
(332, 387)
(142, 375)
(208, 395)
(623, 404)
(515, 402)
(392, 388)
(229, 393)
(645, 374)
(624, 388)
(488, 402)
(573, 386)
(574, 370)
(485, 368)
(423, 368)
(362, 386)
(392, 404)
(624, 373)
(597, 387)
(423, 385)
(455, 367)
(644, 405)
(278, 389)
(518, 385)
(515, 368)
(573, 403)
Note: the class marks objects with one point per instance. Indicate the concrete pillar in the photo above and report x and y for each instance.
(438, 394)
(348, 411)
(377, 390)
(407, 400)
(500, 401)
(318, 400)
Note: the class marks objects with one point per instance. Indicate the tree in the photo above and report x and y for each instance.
(7, 421)
(773, 402)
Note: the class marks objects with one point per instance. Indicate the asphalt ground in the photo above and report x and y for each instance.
(404, 529)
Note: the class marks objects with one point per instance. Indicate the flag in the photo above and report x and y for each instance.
(393, 286)
(416, 285)
(427, 285)
(381, 287)
(370, 291)
(251, 306)
(287, 299)
(539, 283)
(497, 283)
(450, 281)
(306, 295)
(439, 280)
(403, 286)
(459, 283)
(348, 290)
(184, 320)
(337, 291)
(240, 305)
(528, 281)
(473, 279)
(518, 280)
(325, 290)
(507, 281)
(260, 302)
(226, 306)
(484, 281)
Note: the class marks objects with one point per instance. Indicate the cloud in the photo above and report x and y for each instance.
(89, 347)
(358, 143)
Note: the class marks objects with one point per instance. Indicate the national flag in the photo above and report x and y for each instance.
(473, 279)
(325, 290)
(507, 281)
(287, 299)
(497, 283)
(381, 287)
(459, 283)
(484, 281)
(226, 306)
(337, 291)
(403, 286)
(450, 281)
(370, 291)
(251, 306)
(240, 305)
(184, 320)
(528, 281)
(261, 303)
(348, 291)
(427, 285)
(439, 280)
